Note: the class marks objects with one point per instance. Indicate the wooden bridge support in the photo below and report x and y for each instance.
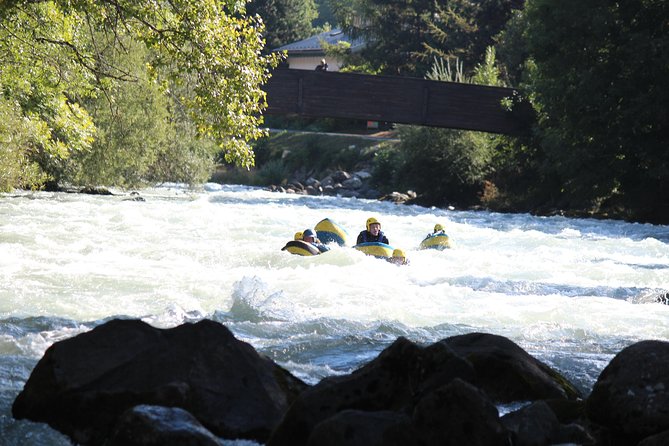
(402, 100)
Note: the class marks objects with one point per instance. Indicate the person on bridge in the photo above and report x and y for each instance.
(373, 233)
(309, 236)
(322, 66)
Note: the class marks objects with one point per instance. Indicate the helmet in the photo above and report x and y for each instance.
(308, 233)
(399, 253)
(371, 221)
(298, 236)
(438, 227)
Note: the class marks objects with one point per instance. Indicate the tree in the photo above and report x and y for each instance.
(395, 32)
(325, 17)
(38, 79)
(600, 78)
(404, 36)
(285, 21)
(17, 139)
(133, 124)
(53, 55)
(464, 29)
(445, 166)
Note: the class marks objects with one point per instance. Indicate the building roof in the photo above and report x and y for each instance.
(312, 45)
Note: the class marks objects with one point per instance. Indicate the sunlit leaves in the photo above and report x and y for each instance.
(18, 139)
(55, 54)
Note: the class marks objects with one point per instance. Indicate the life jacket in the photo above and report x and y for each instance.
(367, 237)
(321, 247)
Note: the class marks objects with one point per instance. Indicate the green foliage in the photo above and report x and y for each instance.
(35, 69)
(454, 28)
(441, 71)
(465, 30)
(512, 49)
(388, 171)
(326, 18)
(403, 37)
(273, 172)
(17, 141)
(131, 121)
(144, 136)
(285, 21)
(184, 159)
(395, 32)
(487, 72)
(222, 52)
(603, 105)
(444, 166)
(56, 55)
(318, 153)
(284, 156)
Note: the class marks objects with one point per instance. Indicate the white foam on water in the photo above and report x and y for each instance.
(88, 258)
(560, 287)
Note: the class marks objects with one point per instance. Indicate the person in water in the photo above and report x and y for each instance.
(441, 241)
(309, 236)
(398, 258)
(373, 233)
(298, 235)
(438, 230)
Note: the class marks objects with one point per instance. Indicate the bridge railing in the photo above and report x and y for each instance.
(402, 100)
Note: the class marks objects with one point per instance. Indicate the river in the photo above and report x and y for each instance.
(572, 292)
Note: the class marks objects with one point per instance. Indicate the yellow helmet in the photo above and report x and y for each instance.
(371, 221)
(399, 253)
(298, 236)
(438, 227)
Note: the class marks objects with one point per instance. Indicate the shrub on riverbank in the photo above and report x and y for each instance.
(285, 156)
(444, 167)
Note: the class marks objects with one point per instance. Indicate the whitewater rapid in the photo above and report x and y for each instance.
(572, 292)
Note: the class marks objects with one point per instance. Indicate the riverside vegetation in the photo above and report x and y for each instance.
(132, 93)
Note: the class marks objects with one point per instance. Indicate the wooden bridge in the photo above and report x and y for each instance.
(403, 100)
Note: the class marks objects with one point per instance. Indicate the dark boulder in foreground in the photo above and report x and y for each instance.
(363, 428)
(537, 424)
(82, 385)
(457, 414)
(661, 439)
(160, 426)
(631, 397)
(127, 383)
(497, 359)
(392, 381)
(451, 380)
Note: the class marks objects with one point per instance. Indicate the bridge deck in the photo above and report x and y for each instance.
(402, 100)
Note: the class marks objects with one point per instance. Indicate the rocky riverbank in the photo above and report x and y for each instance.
(344, 184)
(127, 383)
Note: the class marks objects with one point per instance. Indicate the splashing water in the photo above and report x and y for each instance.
(571, 292)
